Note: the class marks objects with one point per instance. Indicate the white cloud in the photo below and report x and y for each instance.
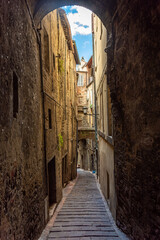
(85, 44)
(80, 21)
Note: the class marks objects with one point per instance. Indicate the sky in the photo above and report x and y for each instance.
(80, 22)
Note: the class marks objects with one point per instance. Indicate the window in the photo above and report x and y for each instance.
(91, 97)
(64, 171)
(67, 81)
(87, 94)
(50, 118)
(15, 95)
(46, 49)
(101, 31)
(96, 24)
(109, 110)
(80, 80)
(54, 61)
(101, 111)
(90, 79)
(108, 187)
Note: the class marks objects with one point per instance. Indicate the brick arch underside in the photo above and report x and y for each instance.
(132, 75)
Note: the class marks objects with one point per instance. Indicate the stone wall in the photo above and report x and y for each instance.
(23, 169)
(105, 138)
(22, 179)
(134, 83)
(59, 79)
(133, 75)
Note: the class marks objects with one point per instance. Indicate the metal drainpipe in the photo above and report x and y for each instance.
(65, 96)
(72, 146)
(95, 102)
(76, 144)
(43, 109)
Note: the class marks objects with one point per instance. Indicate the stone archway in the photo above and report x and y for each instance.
(132, 56)
(133, 77)
(103, 9)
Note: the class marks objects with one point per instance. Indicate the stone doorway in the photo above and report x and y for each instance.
(64, 171)
(52, 181)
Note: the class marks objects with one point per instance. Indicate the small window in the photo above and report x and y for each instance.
(109, 110)
(96, 24)
(80, 80)
(91, 97)
(101, 111)
(67, 81)
(108, 187)
(87, 94)
(101, 30)
(50, 118)
(15, 95)
(54, 61)
(46, 50)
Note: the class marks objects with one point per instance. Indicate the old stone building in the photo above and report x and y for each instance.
(85, 103)
(48, 159)
(133, 77)
(82, 93)
(104, 115)
(91, 150)
(59, 80)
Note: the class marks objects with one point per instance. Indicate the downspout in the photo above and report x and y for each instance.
(95, 102)
(76, 144)
(43, 108)
(72, 147)
(65, 78)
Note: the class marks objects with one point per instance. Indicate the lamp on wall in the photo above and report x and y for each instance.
(85, 110)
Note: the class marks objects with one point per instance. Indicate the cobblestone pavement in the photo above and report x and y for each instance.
(84, 214)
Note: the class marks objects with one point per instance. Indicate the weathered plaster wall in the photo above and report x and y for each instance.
(106, 158)
(105, 148)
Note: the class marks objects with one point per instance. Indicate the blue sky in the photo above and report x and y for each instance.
(80, 22)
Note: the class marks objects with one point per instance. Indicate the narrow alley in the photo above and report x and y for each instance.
(85, 215)
(79, 89)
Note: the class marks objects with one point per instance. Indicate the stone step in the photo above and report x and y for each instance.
(82, 234)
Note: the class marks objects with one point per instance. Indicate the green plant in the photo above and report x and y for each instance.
(91, 106)
(60, 138)
(60, 65)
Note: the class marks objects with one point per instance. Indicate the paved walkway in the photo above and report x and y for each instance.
(84, 214)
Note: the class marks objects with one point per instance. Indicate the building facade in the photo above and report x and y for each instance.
(59, 58)
(40, 150)
(104, 116)
(85, 104)
(91, 117)
(133, 77)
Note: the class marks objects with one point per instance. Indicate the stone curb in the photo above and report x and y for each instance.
(117, 230)
(66, 192)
